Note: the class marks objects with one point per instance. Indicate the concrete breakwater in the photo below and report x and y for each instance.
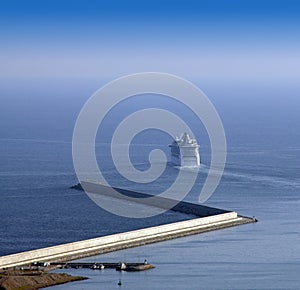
(149, 200)
(124, 240)
(208, 219)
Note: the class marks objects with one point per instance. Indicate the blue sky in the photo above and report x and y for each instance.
(214, 39)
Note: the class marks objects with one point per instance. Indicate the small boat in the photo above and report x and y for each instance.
(97, 267)
(121, 266)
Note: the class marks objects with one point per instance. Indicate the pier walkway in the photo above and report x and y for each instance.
(124, 240)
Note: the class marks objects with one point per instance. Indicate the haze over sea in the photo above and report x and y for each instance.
(261, 179)
(244, 55)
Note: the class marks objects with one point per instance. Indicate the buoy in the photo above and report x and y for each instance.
(120, 283)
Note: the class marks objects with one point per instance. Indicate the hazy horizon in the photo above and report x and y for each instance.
(206, 39)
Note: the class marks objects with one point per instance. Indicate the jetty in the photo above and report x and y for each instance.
(120, 266)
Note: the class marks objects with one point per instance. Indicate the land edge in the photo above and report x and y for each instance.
(32, 279)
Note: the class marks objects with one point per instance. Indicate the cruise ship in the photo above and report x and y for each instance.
(185, 151)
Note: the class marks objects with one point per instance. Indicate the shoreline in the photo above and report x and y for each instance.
(33, 279)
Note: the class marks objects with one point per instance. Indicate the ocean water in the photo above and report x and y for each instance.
(261, 179)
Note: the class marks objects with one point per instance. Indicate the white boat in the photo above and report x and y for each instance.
(185, 151)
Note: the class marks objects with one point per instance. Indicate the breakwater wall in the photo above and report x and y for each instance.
(208, 219)
(124, 240)
(151, 200)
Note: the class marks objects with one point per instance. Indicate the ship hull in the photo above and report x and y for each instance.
(192, 161)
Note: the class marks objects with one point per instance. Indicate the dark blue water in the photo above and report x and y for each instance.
(262, 179)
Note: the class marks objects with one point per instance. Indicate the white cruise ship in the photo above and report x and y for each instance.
(185, 151)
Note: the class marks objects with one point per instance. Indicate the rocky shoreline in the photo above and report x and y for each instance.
(33, 279)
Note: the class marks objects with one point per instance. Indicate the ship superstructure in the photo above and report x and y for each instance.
(185, 151)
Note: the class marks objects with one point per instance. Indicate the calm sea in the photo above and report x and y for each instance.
(261, 179)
